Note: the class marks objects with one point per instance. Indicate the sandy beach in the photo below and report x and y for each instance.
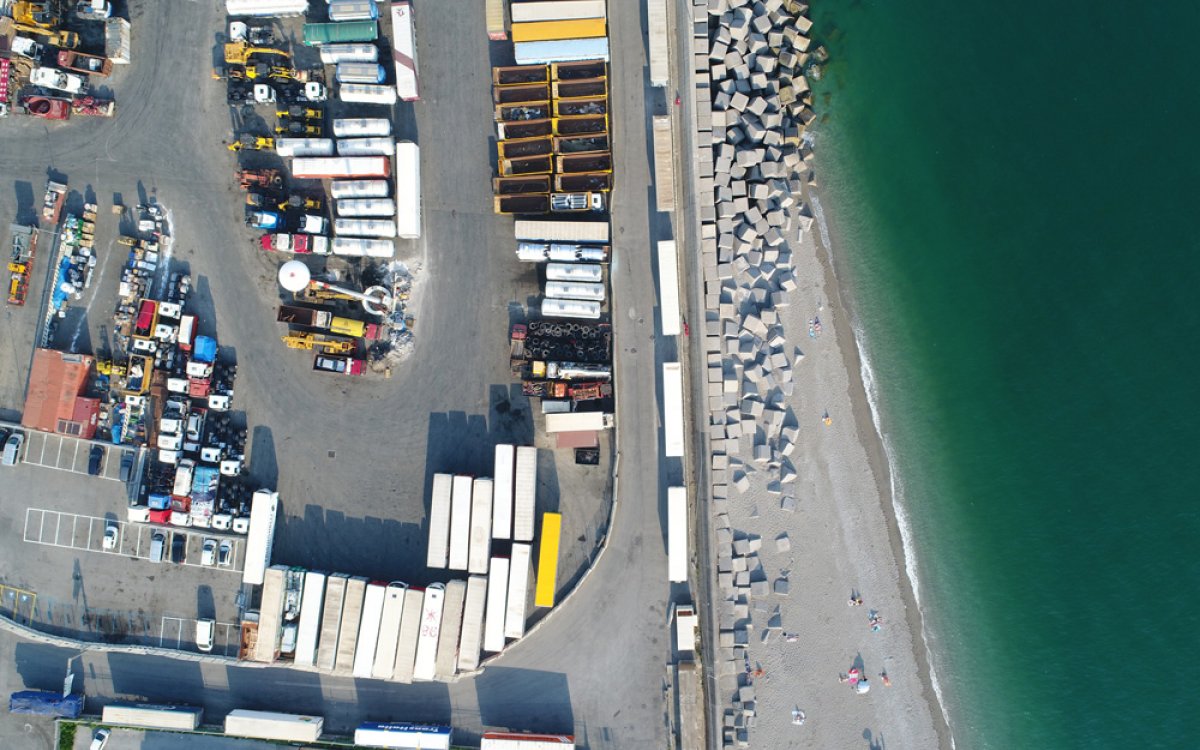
(839, 538)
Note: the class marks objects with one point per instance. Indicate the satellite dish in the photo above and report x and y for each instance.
(294, 276)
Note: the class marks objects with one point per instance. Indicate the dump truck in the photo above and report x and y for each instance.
(20, 264)
(575, 202)
(301, 244)
(79, 62)
(325, 320)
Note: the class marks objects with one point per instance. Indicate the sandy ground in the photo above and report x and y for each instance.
(841, 537)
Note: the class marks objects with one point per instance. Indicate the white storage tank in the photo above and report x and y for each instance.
(574, 290)
(289, 147)
(332, 54)
(376, 146)
(570, 308)
(353, 10)
(591, 272)
(366, 207)
(360, 72)
(340, 189)
(357, 127)
(382, 228)
(363, 248)
(367, 93)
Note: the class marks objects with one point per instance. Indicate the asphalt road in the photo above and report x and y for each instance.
(352, 460)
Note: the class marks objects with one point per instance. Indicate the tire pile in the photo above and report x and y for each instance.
(552, 340)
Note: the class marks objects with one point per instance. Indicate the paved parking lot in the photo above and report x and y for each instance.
(66, 453)
(74, 531)
(180, 633)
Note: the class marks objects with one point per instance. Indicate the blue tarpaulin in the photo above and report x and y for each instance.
(205, 349)
(46, 703)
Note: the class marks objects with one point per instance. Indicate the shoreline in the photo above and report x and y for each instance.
(867, 415)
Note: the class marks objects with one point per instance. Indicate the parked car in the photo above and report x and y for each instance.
(99, 739)
(12, 449)
(178, 547)
(126, 465)
(158, 542)
(111, 533)
(204, 634)
(95, 458)
(208, 552)
(225, 554)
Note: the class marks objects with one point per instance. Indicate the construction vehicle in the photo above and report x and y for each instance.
(298, 128)
(317, 295)
(258, 143)
(20, 265)
(79, 62)
(300, 203)
(56, 38)
(339, 365)
(296, 112)
(239, 53)
(268, 220)
(327, 344)
(260, 178)
(260, 200)
(42, 15)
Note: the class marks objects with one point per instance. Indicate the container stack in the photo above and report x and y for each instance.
(560, 31)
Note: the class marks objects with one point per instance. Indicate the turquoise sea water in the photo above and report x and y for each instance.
(1016, 191)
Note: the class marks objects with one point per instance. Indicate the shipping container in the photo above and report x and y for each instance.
(359, 247)
(389, 631)
(677, 534)
(673, 434)
(590, 272)
(497, 595)
(516, 741)
(574, 290)
(525, 493)
(266, 725)
(664, 164)
(544, 31)
(577, 421)
(402, 736)
(404, 52)
(315, 168)
(367, 93)
(446, 663)
(565, 308)
(566, 50)
(495, 19)
(432, 610)
(263, 507)
(383, 228)
(547, 568)
(502, 491)
(266, 7)
(152, 716)
(332, 54)
(360, 127)
(366, 208)
(656, 20)
(270, 615)
(519, 572)
(439, 521)
(290, 147)
(331, 621)
(340, 189)
(309, 630)
(562, 231)
(118, 41)
(668, 288)
(408, 190)
(359, 72)
(352, 608)
(460, 523)
(557, 10)
(352, 10)
(410, 632)
(471, 639)
(368, 630)
(481, 526)
(335, 33)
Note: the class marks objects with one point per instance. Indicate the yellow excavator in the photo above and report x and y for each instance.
(257, 143)
(56, 38)
(239, 53)
(41, 15)
(326, 344)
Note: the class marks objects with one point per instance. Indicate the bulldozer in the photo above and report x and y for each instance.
(296, 112)
(257, 143)
(327, 344)
(296, 127)
(239, 53)
(301, 202)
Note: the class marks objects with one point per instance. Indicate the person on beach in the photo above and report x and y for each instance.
(856, 599)
(887, 681)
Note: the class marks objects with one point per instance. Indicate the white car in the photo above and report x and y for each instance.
(111, 534)
(208, 552)
(52, 78)
(99, 739)
(26, 47)
(12, 449)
